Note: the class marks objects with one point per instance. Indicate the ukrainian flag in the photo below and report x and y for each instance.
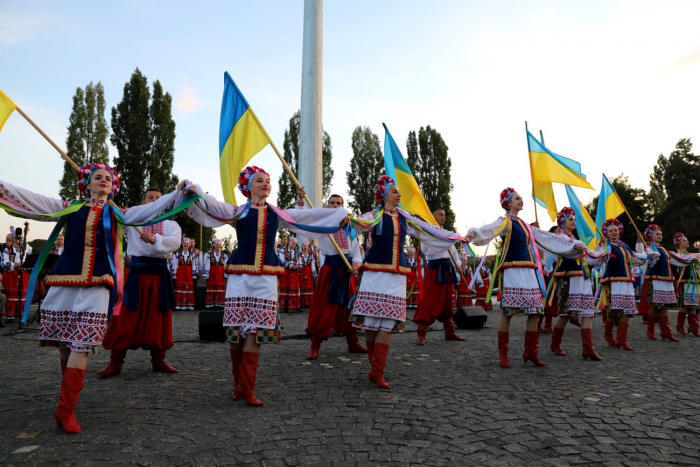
(609, 204)
(547, 167)
(585, 227)
(241, 136)
(395, 166)
(6, 108)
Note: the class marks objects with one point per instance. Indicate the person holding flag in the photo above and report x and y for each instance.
(519, 271)
(659, 280)
(688, 294)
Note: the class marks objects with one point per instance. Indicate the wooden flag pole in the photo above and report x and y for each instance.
(60, 151)
(308, 201)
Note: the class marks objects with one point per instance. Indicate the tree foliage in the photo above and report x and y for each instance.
(287, 194)
(87, 135)
(366, 165)
(431, 166)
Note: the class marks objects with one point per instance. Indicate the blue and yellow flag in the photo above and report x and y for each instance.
(547, 167)
(609, 204)
(395, 166)
(241, 136)
(6, 108)
(585, 227)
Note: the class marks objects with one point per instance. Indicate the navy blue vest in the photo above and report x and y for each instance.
(256, 244)
(386, 253)
(618, 267)
(661, 271)
(518, 254)
(570, 267)
(84, 260)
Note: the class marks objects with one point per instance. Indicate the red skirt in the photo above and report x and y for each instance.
(216, 287)
(15, 297)
(412, 283)
(481, 293)
(437, 300)
(306, 285)
(184, 288)
(464, 295)
(325, 317)
(146, 327)
(289, 291)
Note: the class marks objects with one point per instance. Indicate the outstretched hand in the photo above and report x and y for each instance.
(301, 192)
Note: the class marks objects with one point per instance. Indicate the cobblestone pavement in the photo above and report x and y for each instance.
(450, 404)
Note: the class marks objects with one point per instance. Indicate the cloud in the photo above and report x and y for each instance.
(187, 102)
(20, 28)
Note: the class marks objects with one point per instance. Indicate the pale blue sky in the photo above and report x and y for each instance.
(612, 84)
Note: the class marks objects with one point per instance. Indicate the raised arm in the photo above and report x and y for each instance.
(26, 200)
(147, 212)
(218, 208)
(559, 244)
(317, 217)
(484, 234)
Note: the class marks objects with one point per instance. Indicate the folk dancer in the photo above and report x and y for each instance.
(334, 288)
(688, 290)
(16, 277)
(290, 293)
(146, 318)
(250, 313)
(185, 269)
(413, 282)
(380, 306)
(520, 272)
(307, 274)
(464, 293)
(214, 263)
(76, 309)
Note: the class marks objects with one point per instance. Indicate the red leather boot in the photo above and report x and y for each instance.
(532, 348)
(587, 341)
(249, 373)
(547, 324)
(693, 325)
(376, 374)
(609, 333)
(159, 364)
(236, 356)
(71, 386)
(422, 331)
(370, 351)
(503, 349)
(680, 324)
(665, 326)
(651, 332)
(354, 345)
(622, 336)
(450, 334)
(315, 347)
(116, 361)
(555, 346)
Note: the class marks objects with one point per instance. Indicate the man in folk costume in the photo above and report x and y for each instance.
(57, 248)
(145, 320)
(290, 298)
(412, 280)
(307, 274)
(16, 278)
(329, 306)
(214, 263)
(438, 289)
(185, 269)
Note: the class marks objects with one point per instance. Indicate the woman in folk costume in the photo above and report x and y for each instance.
(688, 289)
(214, 262)
(86, 280)
(573, 290)
(412, 281)
(250, 313)
(15, 278)
(464, 293)
(661, 290)
(307, 274)
(290, 292)
(380, 305)
(617, 284)
(520, 271)
(483, 284)
(185, 268)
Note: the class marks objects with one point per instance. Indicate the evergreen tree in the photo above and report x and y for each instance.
(636, 202)
(87, 135)
(431, 166)
(657, 187)
(160, 163)
(287, 194)
(366, 165)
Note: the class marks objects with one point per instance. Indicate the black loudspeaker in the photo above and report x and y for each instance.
(200, 295)
(211, 326)
(472, 317)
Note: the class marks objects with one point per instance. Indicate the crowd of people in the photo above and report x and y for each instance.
(95, 295)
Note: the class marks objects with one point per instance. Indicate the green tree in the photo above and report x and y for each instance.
(636, 202)
(431, 166)
(657, 187)
(366, 166)
(159, 166)
(677, 178)
(287, 194)
(87, 135)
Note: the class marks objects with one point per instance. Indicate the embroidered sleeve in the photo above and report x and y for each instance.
(555, 243)
(484, 234)
(30, 201)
